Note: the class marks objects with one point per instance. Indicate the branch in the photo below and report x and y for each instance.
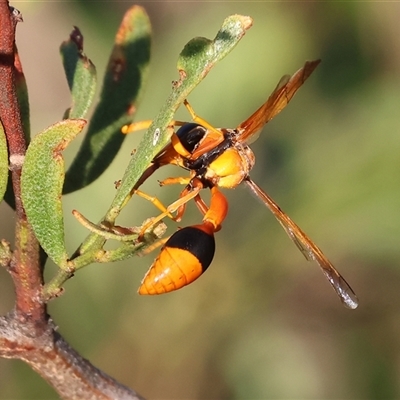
(24, 267)
(61, 366)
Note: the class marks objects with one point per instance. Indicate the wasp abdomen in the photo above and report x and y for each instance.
(183, 258)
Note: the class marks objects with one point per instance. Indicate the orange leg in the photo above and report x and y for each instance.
(201, 205)
(154, 200)
(181, 181)
(145, 124)
(176, 205)
(176, 180)
(136, 126)
(198, 119)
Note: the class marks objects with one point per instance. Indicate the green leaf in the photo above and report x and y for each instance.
(81, 75)
(201, 54)
(41, 186)
(122, 87)
(3, 162)
(194, 63)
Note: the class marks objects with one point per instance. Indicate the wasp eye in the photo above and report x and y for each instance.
(190, 135)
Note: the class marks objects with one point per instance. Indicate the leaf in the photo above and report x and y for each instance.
(194, 63)
(3, 162)
(201, 54)
(81, 75)
(122, 87)
(41, 186)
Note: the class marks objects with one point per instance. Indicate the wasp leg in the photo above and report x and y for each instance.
(201, 205)
(152, 247)
(181, 181)
(154, 200)
(185, 196)
(136, 126)
(145, 124)
(198, 119)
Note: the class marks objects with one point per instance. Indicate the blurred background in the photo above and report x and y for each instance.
(262, 322)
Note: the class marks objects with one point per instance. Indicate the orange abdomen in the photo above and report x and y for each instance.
(183, 258)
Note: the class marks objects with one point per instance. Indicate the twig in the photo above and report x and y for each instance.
(24, 266)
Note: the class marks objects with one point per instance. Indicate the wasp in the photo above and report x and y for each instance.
(220, 158)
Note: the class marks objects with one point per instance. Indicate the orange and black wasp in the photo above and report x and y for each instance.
(221, 158)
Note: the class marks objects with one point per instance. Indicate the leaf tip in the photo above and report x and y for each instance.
(244, 21)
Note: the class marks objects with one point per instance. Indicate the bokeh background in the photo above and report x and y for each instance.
(262, 323)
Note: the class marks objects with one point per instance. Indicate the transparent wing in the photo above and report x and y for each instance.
(278, 100)
(310, 250)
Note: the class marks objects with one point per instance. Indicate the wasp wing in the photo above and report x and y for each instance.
(278, 100)
(310, 250)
